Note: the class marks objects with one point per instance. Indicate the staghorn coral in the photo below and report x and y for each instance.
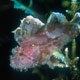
(73, 6)
(41, 44)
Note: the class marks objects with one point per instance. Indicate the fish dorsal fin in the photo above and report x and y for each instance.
(56, 18)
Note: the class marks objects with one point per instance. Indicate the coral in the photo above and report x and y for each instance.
(41, 44)
(73, 8)
(26, 9)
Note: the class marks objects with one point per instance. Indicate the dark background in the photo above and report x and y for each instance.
(10, 20)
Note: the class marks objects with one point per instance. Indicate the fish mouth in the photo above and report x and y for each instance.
(18, 65)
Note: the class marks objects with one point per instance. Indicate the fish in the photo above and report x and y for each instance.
(42, 43)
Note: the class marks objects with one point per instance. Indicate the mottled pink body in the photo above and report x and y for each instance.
(34, 49)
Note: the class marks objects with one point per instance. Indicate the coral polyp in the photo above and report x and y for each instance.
(41, 44)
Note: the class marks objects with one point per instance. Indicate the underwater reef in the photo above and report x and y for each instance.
(43, 43)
